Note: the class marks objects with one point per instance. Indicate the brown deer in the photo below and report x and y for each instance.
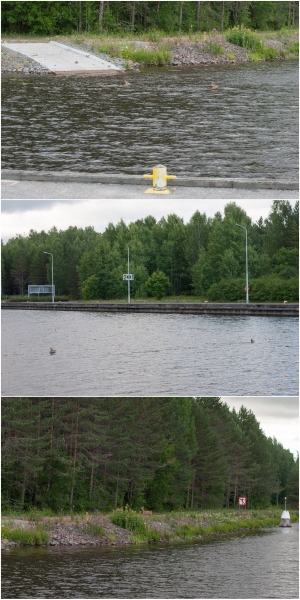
(146, 512)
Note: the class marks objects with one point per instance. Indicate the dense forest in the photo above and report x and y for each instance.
(171, 17)
(164, 453)
(204, 257)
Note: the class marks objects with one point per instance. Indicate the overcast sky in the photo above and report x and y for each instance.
(278, 417)
(19, 216)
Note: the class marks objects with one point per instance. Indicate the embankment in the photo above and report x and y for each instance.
(182, 51)
(188, 308)
(98, 530)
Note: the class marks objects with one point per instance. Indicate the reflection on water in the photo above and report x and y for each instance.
(132, 354)
(256, 565)
(246, 128)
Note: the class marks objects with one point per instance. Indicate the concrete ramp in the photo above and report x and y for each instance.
(61, 59)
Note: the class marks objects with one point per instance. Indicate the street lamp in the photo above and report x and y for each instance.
(52, 275)
(247, 288)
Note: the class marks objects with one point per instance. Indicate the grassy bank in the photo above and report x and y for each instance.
(37, 536)
(126, 526)
(153, 48)
(150, 300)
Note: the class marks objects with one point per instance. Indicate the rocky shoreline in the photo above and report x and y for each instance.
(185, 53)
(98, 530)
(66, 532)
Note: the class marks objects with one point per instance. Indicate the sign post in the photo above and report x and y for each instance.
(242, 501)
(129, 277)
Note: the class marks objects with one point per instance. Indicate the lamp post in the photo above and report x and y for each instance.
(52, 275)
(247, 288)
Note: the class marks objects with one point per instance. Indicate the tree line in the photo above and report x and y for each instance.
(203, 258)
(44, 18)
(163, 453)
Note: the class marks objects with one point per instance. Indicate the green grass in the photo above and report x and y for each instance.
(133, 522)
(181, 299)
(187, 530)
(144, 56)
(293, 48)
(94, 529)
(256, 57)
(240, 36)
(148, 537)
(212, 48)
(42, 298)
(25, 537)
(129, 519)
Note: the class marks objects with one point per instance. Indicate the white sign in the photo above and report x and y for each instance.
(128, 277)
(40, 289)
(242, 501)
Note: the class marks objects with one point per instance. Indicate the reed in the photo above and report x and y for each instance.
(25, 537)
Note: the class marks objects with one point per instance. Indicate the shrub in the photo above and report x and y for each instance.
(153, 535)
(272, 288)
(90, 288)
(240, 36)
(129, 519)
(157, 284)
(270, 53)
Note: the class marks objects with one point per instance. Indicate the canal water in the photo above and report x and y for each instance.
(263, 564)
(246, 128)
(140, 354)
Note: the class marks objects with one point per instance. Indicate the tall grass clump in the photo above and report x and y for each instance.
(240, 36)
(156, 58)
(25, 537)
(293, 48)
(93, 528)
(129, 519)
(213, 45)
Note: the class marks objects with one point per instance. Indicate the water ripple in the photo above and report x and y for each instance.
(260, 564)
(133, 354)
(247, 128)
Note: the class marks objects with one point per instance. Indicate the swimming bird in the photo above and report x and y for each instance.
(252, 341)
(52, 351)
(126, 83)
(214, 86)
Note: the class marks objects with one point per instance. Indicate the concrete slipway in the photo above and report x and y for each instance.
(61, 59)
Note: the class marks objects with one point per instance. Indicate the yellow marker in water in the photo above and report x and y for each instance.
(159, 178)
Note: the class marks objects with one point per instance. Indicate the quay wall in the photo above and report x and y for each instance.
(188, 308)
